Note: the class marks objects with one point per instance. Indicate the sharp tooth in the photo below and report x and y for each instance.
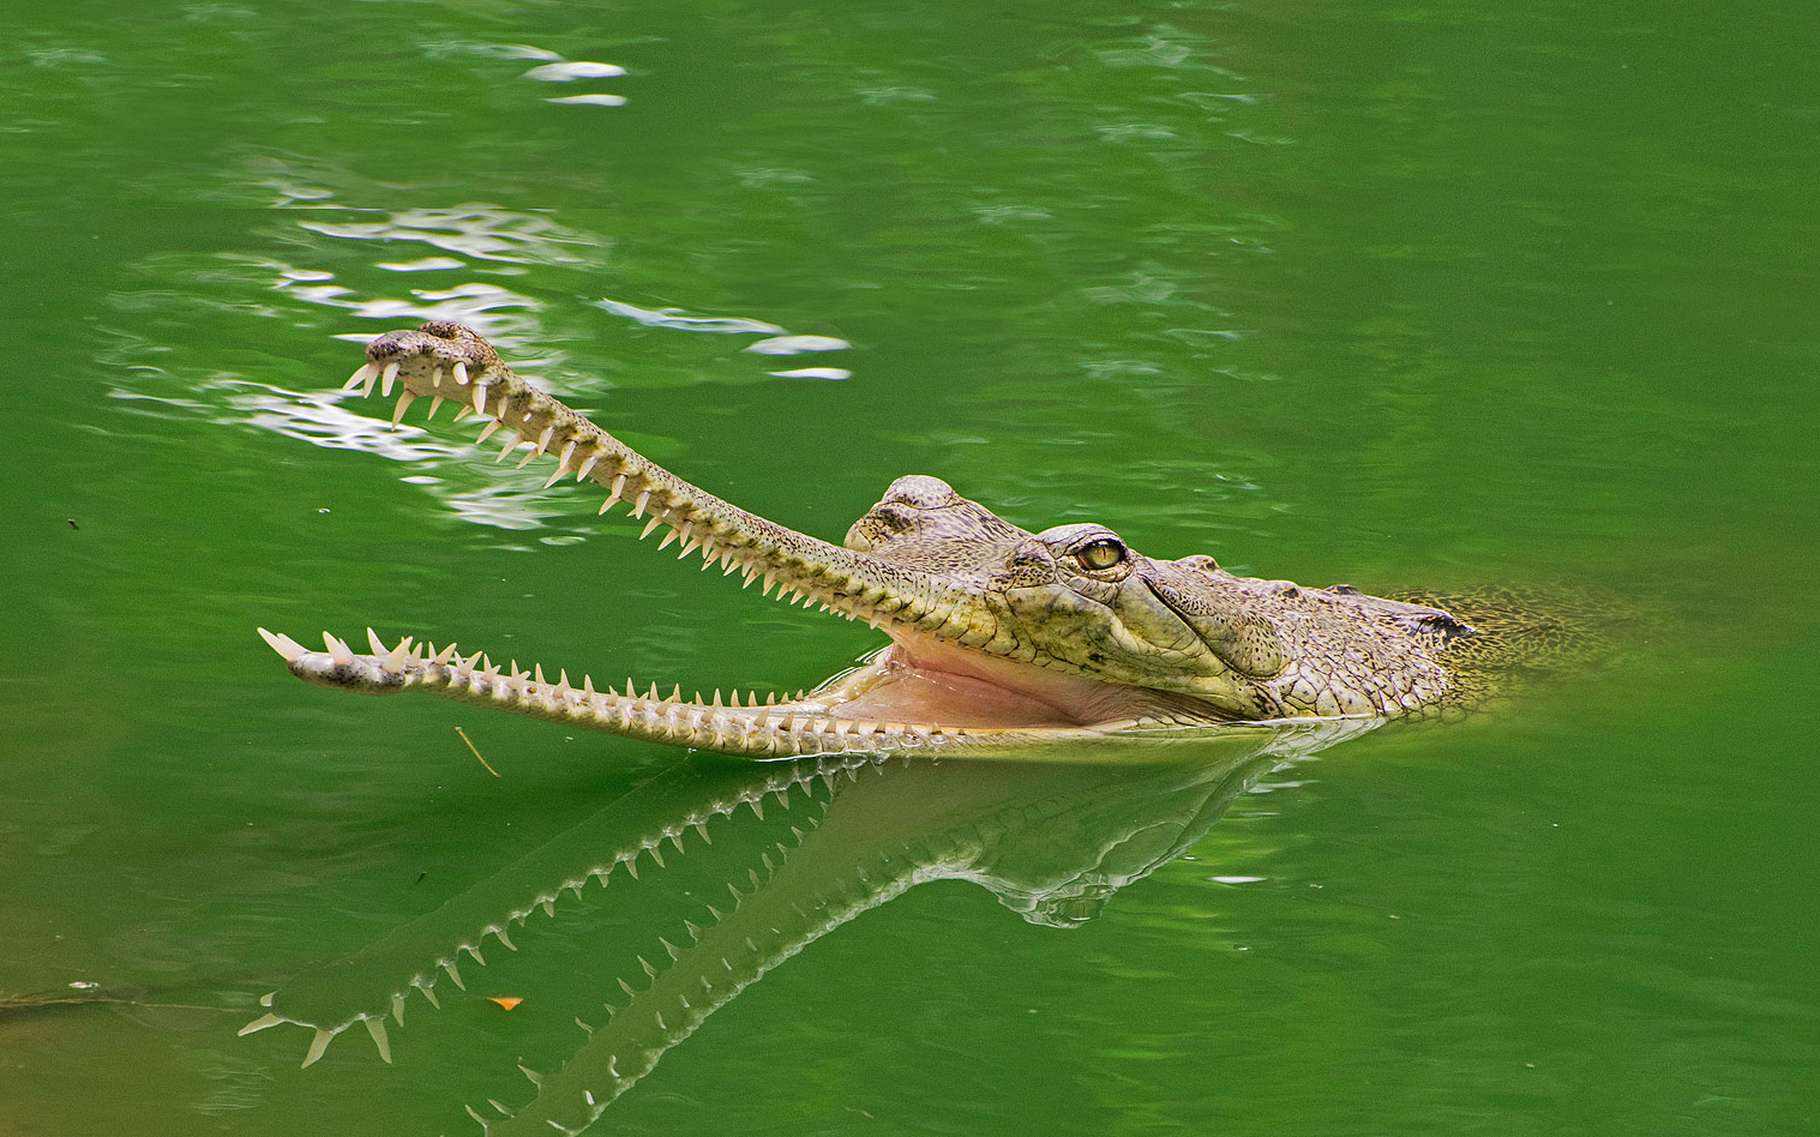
(668, 537)
(265, 1000)
(557, 473)
(398, 1007)
(454, 974)
(653, 523)
(509, 447)
(568, 452)
(435, 405)
(436, 376)
(505, 939)
(284, 645)
(376, 1028)
(339, 652)
(653, 695)
(461, 371)
(443, 656)
(676, 694)
(480, 394)
(373, 641)
(259, 1024)
(543, 440)
(587, 467)
(361, 376)
(318, 1046)
(386, 378)
(430, 994)
(486, 431)
(526, 460)
(462, 410)
(638, 507)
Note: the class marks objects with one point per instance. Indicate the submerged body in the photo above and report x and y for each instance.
(999, 636)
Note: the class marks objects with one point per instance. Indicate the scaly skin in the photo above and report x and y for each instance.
(1000, 637)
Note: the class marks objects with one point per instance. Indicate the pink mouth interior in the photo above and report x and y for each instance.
(924, 680)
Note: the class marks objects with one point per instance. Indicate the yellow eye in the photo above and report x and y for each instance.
(1100, 555)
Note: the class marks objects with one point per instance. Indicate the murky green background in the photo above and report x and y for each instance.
(1399, 295)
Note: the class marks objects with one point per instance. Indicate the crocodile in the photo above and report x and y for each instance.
(745, 866)
(998, 636)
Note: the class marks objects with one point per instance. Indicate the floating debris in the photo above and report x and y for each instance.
(475, 750)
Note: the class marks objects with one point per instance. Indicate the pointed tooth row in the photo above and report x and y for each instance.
(773, 729)
(582, 453)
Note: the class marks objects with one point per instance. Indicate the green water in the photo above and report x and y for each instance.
(1402, 296)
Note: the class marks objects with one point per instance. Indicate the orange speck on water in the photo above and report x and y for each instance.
(505, 1001)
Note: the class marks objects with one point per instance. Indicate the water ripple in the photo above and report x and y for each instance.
(475, 229)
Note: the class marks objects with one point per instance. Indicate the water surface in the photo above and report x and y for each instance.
(1402, 296)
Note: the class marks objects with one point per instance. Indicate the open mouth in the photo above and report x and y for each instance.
(954, 673)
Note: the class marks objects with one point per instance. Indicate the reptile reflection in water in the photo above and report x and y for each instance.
(1053, 841)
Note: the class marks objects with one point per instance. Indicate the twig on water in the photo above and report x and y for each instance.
(475, 750)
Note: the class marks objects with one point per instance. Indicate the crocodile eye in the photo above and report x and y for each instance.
(1100, 555)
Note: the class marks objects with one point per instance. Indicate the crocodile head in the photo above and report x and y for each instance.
(1071, 623)
(998, 634)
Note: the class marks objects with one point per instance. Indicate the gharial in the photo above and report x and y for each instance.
(999, 636)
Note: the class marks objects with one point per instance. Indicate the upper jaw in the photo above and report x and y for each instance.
(449, 362)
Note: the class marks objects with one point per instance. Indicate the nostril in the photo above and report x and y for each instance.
(442, 329)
